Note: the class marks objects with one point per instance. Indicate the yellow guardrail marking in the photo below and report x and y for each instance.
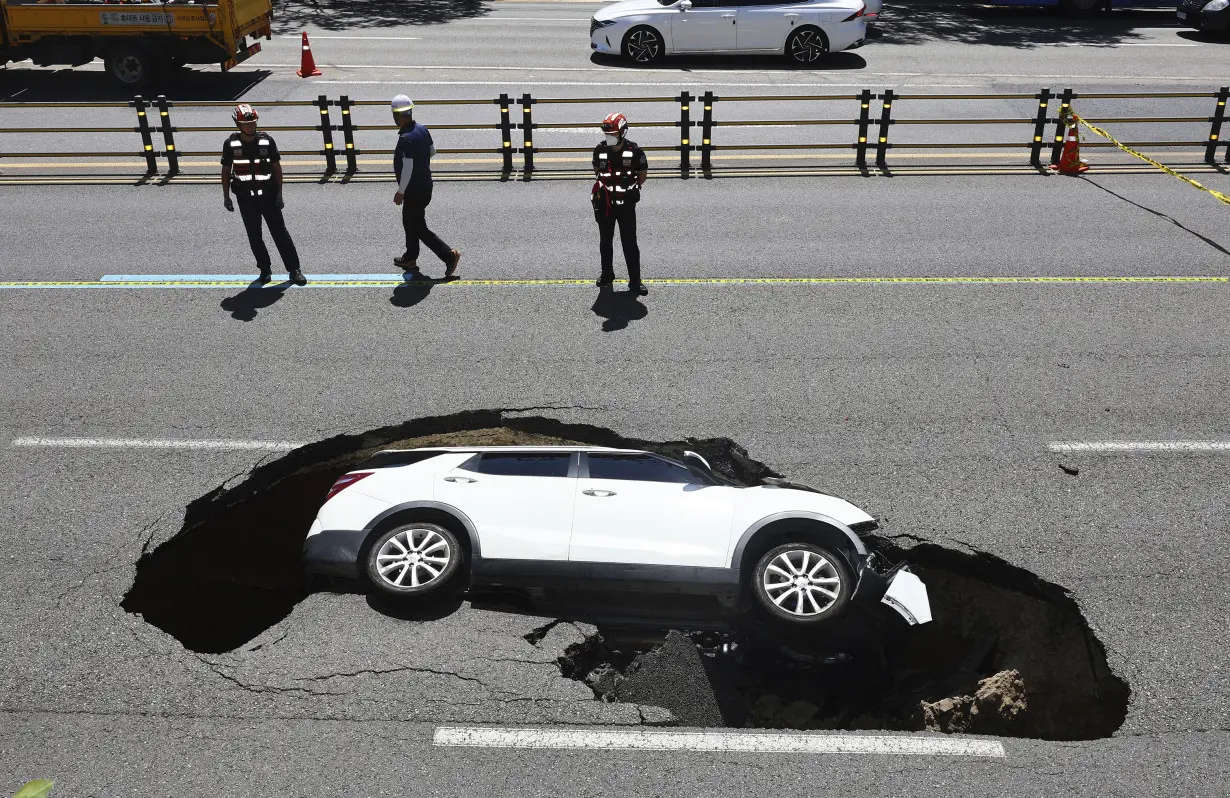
(659, 281)
(1099, 131)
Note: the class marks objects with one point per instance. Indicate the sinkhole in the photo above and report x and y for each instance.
(1008, 653)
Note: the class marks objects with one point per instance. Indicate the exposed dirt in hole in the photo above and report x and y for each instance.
(1007, 654)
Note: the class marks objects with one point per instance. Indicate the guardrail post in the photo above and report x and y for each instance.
(864, 121)
(1035, 149)
(1065, 103)
(168, 134)
(506, 147)
(147, 138)
(326, 130)
(685, 133)
(885, 121)
(345, 104)
(1219, 115)
(706, 132)
(527, 131)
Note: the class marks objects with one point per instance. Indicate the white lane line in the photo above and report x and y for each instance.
(146, 443)
(610, 83)
(1121, 44)
(653, 740)
(361, 38)
(1139, 446)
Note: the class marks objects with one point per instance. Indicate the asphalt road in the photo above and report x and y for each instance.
(932, 405)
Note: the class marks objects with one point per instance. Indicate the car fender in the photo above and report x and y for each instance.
(736, 558)
(428, 504)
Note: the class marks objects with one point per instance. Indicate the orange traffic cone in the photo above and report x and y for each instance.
(1070, 161)
(307, 64)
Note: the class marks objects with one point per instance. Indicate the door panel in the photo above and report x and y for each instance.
(766, 26)
(704, 28)
(517, 517)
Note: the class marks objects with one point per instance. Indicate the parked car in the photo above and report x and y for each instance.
(1211, 15)
(421, 523)
(805, 32)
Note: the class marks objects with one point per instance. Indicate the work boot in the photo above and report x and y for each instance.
(297, 277)
(265, 276)
(605, 281)
(406, 264)
(638, 288)
(452, 267)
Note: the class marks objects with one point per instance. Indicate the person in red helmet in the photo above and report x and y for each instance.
(621, 168)
(252, 168)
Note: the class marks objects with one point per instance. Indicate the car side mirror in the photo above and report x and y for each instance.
(693, 457)
(685, 5)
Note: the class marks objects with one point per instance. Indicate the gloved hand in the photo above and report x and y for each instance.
(226, 203)
(280, 203)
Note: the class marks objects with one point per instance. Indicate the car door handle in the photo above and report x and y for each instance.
(592, 492)
(792, 16)
(459, 479)
(728, 16)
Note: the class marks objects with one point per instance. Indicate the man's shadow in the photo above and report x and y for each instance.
(247, 303)
(412, 291)
(618, 308)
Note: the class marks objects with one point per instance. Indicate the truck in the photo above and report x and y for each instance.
(139, 42)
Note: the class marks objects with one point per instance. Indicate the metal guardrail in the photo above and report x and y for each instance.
(871, 128)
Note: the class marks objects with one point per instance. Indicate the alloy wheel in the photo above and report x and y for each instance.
(412, 554)
(802, 583)
(807, 47)
(644, 46)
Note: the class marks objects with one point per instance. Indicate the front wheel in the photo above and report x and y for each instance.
(801, 584)
(644, 45)
(807, 46)
(414, 560)
(130, 64)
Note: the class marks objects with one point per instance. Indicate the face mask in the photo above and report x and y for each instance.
(612, 140)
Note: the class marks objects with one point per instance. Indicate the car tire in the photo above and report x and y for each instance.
(778, 593)
(414, 560)
(130, 64)
(644, 45)
(807, 47)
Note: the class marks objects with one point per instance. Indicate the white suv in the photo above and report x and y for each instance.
(428, 522)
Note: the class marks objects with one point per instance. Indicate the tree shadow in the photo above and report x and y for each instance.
(245, 305)
(66, 85)
(618, 308)
(836, 62)
(292, 15)
(1013, 27)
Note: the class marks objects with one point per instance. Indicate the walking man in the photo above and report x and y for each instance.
(621, 168)
(252, 168)
(412, 167)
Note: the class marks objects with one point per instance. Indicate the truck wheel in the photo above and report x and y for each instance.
(130, 64)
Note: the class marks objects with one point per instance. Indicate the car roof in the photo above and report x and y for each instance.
(446, 449)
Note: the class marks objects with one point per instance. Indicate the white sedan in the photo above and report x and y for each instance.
(646, 30)
(421, 523)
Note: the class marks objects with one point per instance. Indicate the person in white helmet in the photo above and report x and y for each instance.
(252, 168)
(412, 168)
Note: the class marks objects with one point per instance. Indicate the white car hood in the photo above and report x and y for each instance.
(767, 500)
(625, 7)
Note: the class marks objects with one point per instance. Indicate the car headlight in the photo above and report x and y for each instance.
(1217, 5)
(595, 24)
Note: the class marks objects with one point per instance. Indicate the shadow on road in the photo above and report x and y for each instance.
(1015, 27)
(245, 305)
(23, 85)
(1160, 215)
(836, 62)
(618, 308)
(291, 15)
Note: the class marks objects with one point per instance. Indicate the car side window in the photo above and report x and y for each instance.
(522, 464)
(639, 467)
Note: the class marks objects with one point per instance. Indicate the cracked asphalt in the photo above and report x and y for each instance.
(931, 406)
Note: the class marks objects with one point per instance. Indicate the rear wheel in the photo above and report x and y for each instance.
(807, 46)
(130, 64)
(644, 45)
(801, 584)
(414, 560)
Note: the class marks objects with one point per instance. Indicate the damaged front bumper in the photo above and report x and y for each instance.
(896, 587)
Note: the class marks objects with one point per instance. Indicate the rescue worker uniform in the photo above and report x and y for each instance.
(259, 196)
(615, 196)
(412, 169)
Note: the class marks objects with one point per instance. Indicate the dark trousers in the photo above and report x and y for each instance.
(414, 219)
(252, 208)
(625, 217)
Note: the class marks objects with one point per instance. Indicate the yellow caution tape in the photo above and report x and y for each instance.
(1217, 194)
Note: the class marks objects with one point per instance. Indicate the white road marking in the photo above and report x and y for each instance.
(598, 101)
(146, 443)
(362, 38)
(653, 740)
(1121, 44)
(1139, 446)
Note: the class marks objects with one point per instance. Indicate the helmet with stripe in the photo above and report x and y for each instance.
(244, 113)
(615, 124)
